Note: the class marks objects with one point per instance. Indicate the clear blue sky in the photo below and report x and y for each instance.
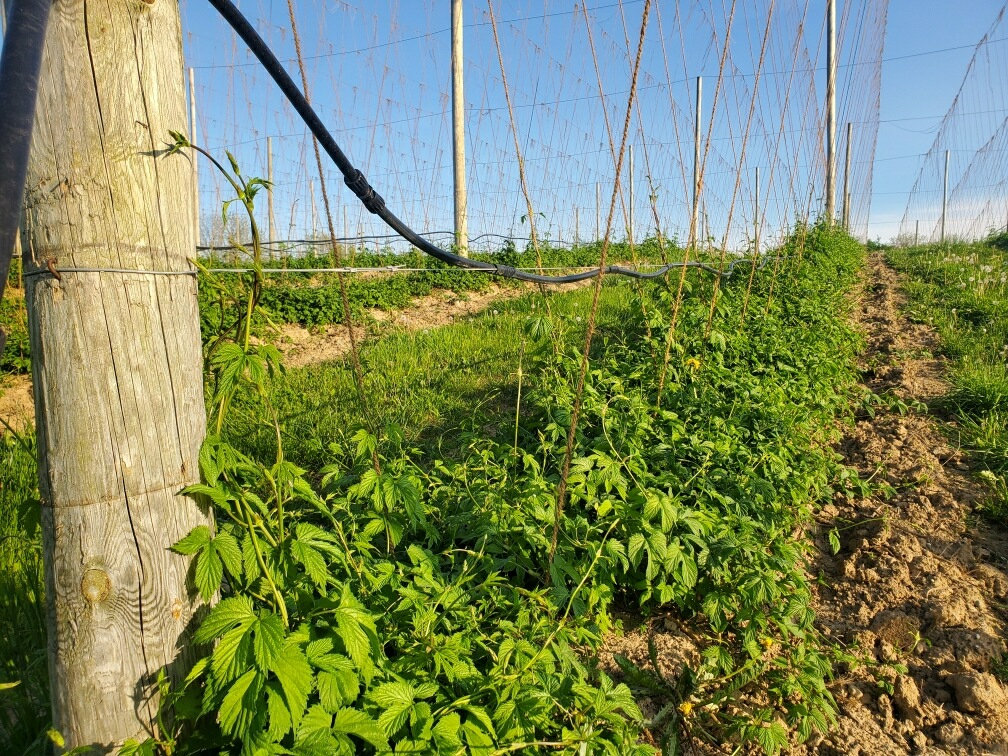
(917, 91)
(379, 72)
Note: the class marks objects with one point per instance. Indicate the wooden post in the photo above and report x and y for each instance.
(194, 156)
(694, 222)
(346, 229)
(116, 363)
(314, 215)
(458, 129)
(830, 111)
(756, 219)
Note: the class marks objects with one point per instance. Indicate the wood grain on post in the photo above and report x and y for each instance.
(116, 361)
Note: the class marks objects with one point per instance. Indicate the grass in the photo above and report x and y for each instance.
(24, 709)
(458, 378)
(14, 322)
(962, 291)
(698, 506)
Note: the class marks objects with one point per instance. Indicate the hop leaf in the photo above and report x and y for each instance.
(228, 613)
(355, 722)
(291, 668)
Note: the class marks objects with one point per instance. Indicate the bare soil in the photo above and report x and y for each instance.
(918, 580)
(17, 407)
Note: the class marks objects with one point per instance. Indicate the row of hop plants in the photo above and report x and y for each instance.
(400, 601)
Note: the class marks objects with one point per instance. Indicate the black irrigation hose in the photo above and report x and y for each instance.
(20, 67)
(373, 201)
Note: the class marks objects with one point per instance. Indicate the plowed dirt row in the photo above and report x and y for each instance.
(919, 579)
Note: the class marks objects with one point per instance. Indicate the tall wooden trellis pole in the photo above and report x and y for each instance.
(116, 362)
(831, 71)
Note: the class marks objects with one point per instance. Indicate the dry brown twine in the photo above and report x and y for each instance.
(337, 255)
(562, 488)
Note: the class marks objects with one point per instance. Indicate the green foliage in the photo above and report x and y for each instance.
(406, 600)
(381, 593)
(962, 291)
(16, 356)
(24, 679)
(313, 299)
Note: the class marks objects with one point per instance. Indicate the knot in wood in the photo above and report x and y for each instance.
(95, 585)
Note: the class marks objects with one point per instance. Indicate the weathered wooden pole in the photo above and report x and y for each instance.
(116, 362)
(314, 212)
(458, 129)
(831, 70)
(694, 220)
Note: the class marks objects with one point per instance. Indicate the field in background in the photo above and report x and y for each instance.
(312, 299)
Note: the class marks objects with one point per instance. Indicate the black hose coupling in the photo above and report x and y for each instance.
(359, 185)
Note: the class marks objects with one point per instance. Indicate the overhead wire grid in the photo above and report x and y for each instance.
(379, 78)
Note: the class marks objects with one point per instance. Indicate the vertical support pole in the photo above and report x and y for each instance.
(948, 153)
(631, 219)
(830, 111)
(117, 365)
(756, 218)
(458, 128)
(846, 179)
(695, 220)
(269, 194)
(917, 233)
(576, 229)
(195, 155)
